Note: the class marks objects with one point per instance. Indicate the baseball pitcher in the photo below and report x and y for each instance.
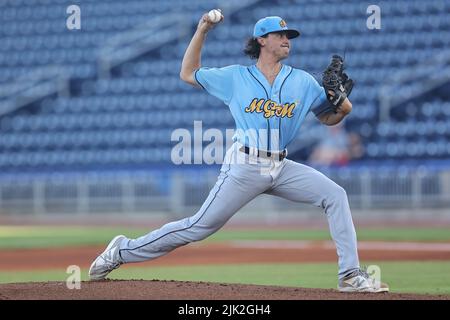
(269, 102)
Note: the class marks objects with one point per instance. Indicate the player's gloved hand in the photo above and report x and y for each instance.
(336, 82)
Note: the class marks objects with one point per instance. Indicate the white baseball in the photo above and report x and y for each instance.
(214, 16)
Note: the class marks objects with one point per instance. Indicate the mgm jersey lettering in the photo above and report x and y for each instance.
(272, 113)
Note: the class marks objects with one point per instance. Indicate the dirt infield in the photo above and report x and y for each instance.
(176, 290)
(228, 253)
(207, 253)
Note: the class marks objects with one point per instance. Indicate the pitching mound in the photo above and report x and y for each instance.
(176, 290)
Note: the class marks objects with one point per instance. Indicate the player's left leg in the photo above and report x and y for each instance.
(238, 183)
(227, 196)
(300, 183)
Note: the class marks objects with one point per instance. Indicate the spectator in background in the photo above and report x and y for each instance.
(336, 147)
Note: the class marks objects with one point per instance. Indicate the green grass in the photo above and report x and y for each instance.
(12, 237)
(430, 277)
(60, 236)
(385, 234)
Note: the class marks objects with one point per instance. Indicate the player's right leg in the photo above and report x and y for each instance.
(236, 185)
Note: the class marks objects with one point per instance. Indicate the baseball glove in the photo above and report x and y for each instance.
(336, 83)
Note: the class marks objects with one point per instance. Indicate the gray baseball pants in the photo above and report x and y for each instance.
(242, 178)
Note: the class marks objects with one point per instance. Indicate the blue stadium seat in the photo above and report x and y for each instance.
(133, 113)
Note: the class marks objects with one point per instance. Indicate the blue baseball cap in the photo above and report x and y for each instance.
(273, 24)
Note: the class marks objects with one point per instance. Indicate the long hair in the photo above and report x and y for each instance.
(253, 48)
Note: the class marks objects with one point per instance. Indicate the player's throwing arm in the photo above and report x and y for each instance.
(192, 56)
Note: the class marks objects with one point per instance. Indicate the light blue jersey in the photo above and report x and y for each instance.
(267, 117)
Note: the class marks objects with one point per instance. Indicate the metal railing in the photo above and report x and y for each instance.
(413, 82)
(146, 37)
(183, 191)
(151, 35)
(33, 86)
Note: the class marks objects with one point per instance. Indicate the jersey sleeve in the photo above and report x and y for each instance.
(319, 102)
(217, 81)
